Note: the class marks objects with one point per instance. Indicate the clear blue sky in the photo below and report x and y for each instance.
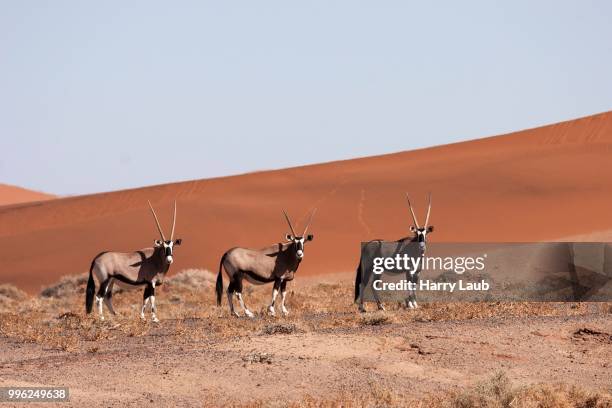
(98, 96)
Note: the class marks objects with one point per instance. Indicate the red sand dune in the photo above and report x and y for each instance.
(538, 184)
(17, 195)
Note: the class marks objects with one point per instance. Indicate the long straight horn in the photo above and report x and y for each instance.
(159, 228)
(414, 218)
(428, 211)
(289, 222)
(174, 222)
(309, 221)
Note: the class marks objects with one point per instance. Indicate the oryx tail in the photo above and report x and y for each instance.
(219, 287)
(91, 286)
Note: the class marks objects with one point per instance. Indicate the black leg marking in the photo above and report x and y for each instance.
(103, 288)
(231, 288)
(238, 283)
(148, 292)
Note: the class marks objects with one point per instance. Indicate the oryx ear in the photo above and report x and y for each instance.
(289, 237)
(309, 237)
(430, 228)
(178, 241)
(412, 228)
(158, 243)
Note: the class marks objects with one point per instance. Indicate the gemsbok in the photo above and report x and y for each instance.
(374, 249)
(146, 267)
(276, 263)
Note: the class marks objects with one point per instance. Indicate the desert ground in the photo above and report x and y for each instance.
(324, 353)
(549, 183)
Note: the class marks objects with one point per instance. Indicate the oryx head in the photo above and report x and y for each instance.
(299, 240)
(421, 232)
(166, 244)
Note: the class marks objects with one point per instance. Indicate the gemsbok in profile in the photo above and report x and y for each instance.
(146, 267)
(374, 249)
(276, 263)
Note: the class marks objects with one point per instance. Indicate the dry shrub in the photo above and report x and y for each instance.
(279, 328)
(375, 319)
(498, 392)
(15, 326)
(561, 396)
(429, 312)
(69, 321)
(32, 329)
(11, 292)
(10, 296)
(376, 396)
(191, 280)
(257, 357)
(494, 392)
(68, 286)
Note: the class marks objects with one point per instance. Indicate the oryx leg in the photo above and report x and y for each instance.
(245, 309)
(101, 295)
(108, 299)
(411, 299)
(230, 297)
(379, 304)
(362, 286)
(153, 306)
(149, 293)
(283, 288)
(370, 283)
(362, 308)
(275, 289)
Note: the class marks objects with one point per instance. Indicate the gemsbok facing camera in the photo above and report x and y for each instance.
(146, 267)
(376, 249)
(276, 263)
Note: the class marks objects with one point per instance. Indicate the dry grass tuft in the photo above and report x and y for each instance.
(279, 328)
(10, 296)
(375, 319)
(499, 392)
(257, 357)
(192, 280)
(495, 392)
(68, 286)
(11, 292)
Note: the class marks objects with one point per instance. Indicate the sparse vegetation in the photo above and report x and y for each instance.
(68, 286)
(56, 321)
(280, 328)
(10, 292)
(257, 357)
(375, 319)
(495, 392)
(10, 296)
(192, 280)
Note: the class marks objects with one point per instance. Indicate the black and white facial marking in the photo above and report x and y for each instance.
(421, 235)
(168, 248)
(298, 243)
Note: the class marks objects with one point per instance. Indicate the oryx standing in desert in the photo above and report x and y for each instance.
(416, 245)
(146, 267)
(276, 263)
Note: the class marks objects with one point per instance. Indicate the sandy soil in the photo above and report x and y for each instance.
(538, 184)
(324, 352)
